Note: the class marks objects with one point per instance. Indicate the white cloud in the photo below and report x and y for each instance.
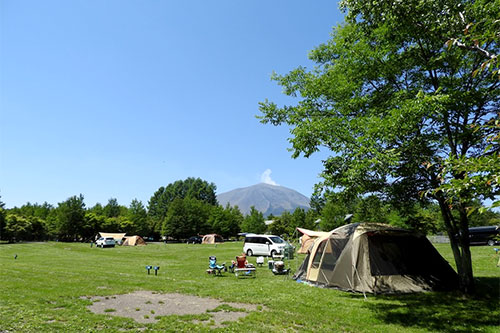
(266, 177)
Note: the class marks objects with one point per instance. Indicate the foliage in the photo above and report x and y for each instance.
(17, 228)
(225, 221)
(112, 209)
(70, 218)
(479, 175)
(254, 222)
(186, 217)
(194, 188)
(2, 218)
(138, 217)
(333, 214)
(281, 224)
(391, 102)
(311, 220)
(478, 33)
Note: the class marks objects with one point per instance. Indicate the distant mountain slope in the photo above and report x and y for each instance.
(268, 199)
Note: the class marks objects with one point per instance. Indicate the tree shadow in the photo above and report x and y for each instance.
(443, 311)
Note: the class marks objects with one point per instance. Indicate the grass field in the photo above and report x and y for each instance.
(42, 291)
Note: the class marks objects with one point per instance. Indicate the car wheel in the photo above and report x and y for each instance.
(273, 253)
(491, 242)
(249, 253)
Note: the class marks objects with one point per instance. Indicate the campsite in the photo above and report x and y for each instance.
(52, 286)
(161, 159)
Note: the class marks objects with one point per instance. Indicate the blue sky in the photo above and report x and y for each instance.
(113, 99)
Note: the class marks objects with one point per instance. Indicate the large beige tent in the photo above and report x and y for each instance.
(212, 239)
(133, 241)
(376, 258)
(308, 238)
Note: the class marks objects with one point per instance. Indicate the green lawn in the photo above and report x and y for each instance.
(41, 291)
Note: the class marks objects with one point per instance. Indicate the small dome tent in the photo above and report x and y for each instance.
(212, 239)
(133, 241)
(376, 258)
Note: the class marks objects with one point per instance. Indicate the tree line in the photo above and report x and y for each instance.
(189, 207)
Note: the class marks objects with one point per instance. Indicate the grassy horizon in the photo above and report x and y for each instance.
(44, 290)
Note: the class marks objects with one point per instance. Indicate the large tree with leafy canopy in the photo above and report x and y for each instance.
(396, 92)
(193, 188)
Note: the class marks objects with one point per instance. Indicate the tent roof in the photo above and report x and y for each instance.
(312, 233)
(111, 234)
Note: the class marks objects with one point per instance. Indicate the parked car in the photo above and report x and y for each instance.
(106, 242)
(484, 235)
(264, 245)
(194, 240)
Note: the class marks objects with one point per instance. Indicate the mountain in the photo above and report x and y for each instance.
(268, 199)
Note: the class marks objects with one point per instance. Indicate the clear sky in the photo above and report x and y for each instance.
(113, 99)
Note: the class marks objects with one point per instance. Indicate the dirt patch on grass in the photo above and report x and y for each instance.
(147, 306)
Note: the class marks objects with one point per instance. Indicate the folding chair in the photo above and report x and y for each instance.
(242, 268)
(215, 269)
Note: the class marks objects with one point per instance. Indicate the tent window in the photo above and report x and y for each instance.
(318, 254)
(334, 250)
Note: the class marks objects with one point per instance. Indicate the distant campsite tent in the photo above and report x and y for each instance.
(133, 241)
(376, 258)
(308, 238)
(117, 236)
(212, 239)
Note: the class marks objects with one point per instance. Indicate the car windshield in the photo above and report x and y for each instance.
(277, 240)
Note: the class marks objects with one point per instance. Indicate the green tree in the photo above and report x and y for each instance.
(97, 209)
(254, 222)
(17, 228)
(186, 217)
(70, 218)
(236, 219)
(310, 221)
(298, 220)
(278, 226)
(333, 214)
(371, 209)
(138, 217)
(194, 188)
(224, 221)
(94, 223)
(112, 209)
(2, 220)
(391, 102)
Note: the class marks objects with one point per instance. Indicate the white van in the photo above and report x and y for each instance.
(263, 245)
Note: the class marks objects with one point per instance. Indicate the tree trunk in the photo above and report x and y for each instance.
(459, 241)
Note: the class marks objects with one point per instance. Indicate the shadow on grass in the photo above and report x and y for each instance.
(443, 312)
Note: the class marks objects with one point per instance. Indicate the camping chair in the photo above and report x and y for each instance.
(279, 268)
(215, 269)
(243, 268)
(260, 261)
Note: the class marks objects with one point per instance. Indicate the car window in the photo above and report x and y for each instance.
(277, 240)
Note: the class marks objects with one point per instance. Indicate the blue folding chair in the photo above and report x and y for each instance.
(215, 269)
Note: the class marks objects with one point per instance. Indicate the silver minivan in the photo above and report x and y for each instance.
(263, 245)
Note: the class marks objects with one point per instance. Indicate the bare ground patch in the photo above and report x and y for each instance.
(147, 306)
